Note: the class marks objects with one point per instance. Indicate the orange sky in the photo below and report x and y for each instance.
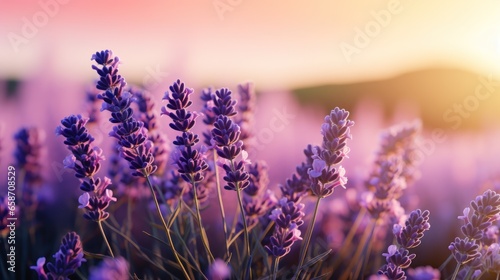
(273, 43)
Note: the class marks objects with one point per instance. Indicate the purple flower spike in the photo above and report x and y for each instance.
(85, 160)
(67, 260)
(178, 101)
(464, 250)
(28, 153)
(130, 132)
(398, 257)
(109, 78)
(226, 141)
(287, 217)
(411, 234)
(190, 161)
(323, 174)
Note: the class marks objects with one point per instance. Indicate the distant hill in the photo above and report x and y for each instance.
(439, 93)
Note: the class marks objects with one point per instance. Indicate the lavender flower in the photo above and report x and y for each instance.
(130, 133)
(401, 141)
(66, 261)
(246, 108)
(398, 257)
(28, 152)
(85, 160)
(464, 250)
(288, 218)
(111, 268)
(190, 162)
(477, 218)
(324, 176)
(226, 141)
(411, 234)
(394, 169)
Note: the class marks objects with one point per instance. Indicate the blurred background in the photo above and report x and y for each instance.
(386, 61)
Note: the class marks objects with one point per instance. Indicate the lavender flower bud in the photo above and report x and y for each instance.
(411, 234)
(399, 257)
(464, 250)
(287, 217)
(28, 153)
(67, 260)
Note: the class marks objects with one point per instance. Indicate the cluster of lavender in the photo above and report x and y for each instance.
(394, 168)
(85, 160)
(190, 162)
(288, 218)
(407, 237)
(66, 261)
(131, 134)
(475, 253)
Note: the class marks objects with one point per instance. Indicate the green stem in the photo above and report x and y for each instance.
(455, 273)
(167, 231)
(245, 226)
(361, 248)
(276, 263)
(204, 238)
(221, 205)
(442, 266)
(105, 238)
(347, 241)
(305, 245)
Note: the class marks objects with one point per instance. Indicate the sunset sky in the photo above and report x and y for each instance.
(276, 44)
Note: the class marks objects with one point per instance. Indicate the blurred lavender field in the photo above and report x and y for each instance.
(455, 155)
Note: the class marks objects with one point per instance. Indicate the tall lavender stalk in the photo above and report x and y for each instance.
(226, 141)
(85, 160)
(190, 161)
(326, 174)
